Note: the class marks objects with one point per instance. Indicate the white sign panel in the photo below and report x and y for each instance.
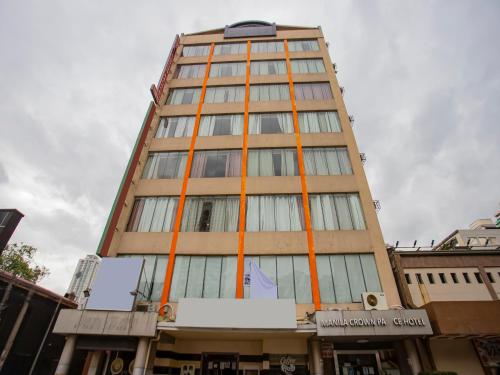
(115, 284)
(236, 313)
(373, 323)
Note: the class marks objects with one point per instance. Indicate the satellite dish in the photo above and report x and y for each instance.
(116, 366)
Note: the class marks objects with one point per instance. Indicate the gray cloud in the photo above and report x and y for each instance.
(422, 80)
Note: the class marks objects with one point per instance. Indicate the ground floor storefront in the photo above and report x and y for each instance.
(244, 337)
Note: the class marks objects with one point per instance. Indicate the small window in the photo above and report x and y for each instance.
(454, 277)
(466, 277)
(490, 277)
(419, 278)
(408, 278)
(478, 277)
(442, 277)
(430, 277)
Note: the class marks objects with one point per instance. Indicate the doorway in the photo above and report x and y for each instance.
(357, 362)
(219, 363)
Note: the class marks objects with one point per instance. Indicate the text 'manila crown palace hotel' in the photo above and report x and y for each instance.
(246, 198)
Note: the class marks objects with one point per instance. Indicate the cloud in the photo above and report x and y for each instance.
(422, 81)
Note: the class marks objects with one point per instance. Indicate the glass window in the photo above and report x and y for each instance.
(319, 122)
(312, 91)
(228, 69)
(165, 165)
(213, 269)
(442, 277)
(153, 214)
(269, 213)
(202, 50)
(230, 49)
(265, 93)
(342, 278)
(454, 278)
(336, 211)
(430, 277)
(228, 277)
(267, 67)
(270, 123)
(159, 277)
(355, 275)
(179, 278)
(478, 277)
(273, 162)
(196, 275)
(302, 279)
(174, 127)
(217, 163)
(184, 96)
(419, 278)
(225, 94)
(285, 277)
(466, 277)
(211, 214)
(408, 278)
(303, 45)
(267, 47)
(305, 66)
(221, 125)
(326, 161)
(190, 71)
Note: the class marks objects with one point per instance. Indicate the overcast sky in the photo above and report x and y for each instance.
(422, 80)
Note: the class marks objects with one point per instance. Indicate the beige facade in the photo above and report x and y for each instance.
(310, 223)
(459, 290)
(331, 242)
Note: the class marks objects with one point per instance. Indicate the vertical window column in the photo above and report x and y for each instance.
(182, 198)
(244, 156)
(305, 199)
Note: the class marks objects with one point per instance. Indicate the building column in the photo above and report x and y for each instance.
(140, 356)
(15, 329)
(315, 362)
(94, 362)
(66, 355)
(413, 358)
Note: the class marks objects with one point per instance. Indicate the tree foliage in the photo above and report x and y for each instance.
(18, 259)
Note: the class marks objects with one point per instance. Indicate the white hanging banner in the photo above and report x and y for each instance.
(261, 286)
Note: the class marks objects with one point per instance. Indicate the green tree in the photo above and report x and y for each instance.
(18, 259)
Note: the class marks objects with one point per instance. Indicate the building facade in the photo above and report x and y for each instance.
(458, 284)
(247, 154)
(83, 277)
(9, 219)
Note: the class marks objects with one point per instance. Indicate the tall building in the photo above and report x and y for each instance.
(247, 158)
(83, 276)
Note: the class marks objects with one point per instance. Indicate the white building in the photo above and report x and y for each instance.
(84, 275)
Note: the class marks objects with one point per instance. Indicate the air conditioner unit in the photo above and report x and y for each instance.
(374, 301)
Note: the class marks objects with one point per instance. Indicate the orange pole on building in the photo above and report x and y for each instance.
(178, 218)
(305, 197)
(244, 156)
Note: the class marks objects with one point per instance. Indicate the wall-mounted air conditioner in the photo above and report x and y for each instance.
(374, 301)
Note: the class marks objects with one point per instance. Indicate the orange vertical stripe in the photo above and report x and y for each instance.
(182, 198)
(305, 197)
(244, 155)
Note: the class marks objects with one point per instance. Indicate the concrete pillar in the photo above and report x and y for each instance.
(66, 356)
(316, 364)
(94, 362)
(15, 329)
(413, 358)
(140, 356)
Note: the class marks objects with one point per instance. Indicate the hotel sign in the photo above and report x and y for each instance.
(373, 323)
